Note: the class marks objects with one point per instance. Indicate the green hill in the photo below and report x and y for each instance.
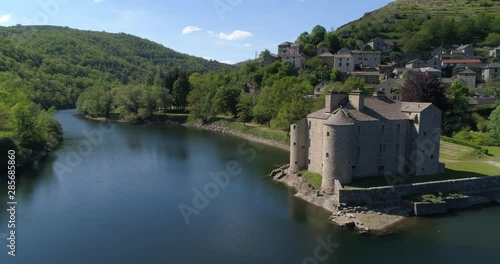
(417, 26)
(55, 64)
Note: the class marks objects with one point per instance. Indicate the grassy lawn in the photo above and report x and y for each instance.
(460, 162)
(257, 130)
(313, 179)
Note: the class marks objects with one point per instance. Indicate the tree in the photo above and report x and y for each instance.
(244, 108)
(494, 124)
(424, 88)
(226, 100)
(459, 95)
(96, 101)
(164, 98)
(335, 75)
(180, 91)
(200, 98)
(493, 40)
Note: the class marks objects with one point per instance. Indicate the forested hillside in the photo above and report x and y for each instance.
(55, 64)
(417, 26)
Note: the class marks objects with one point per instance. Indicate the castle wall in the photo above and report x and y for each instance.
(382, 147)
(425, 148)
(315, 149)
(298, 146)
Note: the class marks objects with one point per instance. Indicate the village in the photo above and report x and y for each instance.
(461, 64)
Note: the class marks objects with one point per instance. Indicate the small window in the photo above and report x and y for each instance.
(425, 134)
(399, 128)
(340, 64)
(327, 134)
(309, 124)
(296, 163)
(359, 151)
(359, 130)
(347, 64)
(294, 126)
(327, 154)
(432, 157)
(383, 129)
(309, 161)
(295, 143)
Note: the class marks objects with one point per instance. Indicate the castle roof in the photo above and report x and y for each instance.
(375, 109)
(339, 118)
(326, 54)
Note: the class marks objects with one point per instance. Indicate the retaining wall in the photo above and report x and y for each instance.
(488, 187)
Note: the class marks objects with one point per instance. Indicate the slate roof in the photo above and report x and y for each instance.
(492, 65)
(374, 109)
(326, 54)
(468, 71)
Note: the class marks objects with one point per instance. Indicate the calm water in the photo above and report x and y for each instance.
(118, 202)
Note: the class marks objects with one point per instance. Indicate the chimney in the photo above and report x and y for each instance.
(357, 99)
(334, 99)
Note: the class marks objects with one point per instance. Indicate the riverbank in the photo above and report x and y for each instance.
(221, 127)
(373, 220)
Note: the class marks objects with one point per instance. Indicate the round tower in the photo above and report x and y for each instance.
(337, 150)
(298, 139)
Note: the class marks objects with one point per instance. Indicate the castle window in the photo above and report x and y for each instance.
(425, 134)
(309, 124)
(359, 130)
(432, 157)
(340, 64)
(309, 161)
(327, 134)
(327, 154)
(399, 128)
(296, 163)
(383, 129)
(294, 126)
(295, 143)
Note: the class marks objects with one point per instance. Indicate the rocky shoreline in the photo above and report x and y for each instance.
(363, 219)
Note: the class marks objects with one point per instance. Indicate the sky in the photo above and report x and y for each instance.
(228, 31)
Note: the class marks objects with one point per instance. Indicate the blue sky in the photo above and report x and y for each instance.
(224, 30)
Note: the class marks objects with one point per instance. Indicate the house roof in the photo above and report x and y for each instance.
(464, 46)
(295, 45)
(388, 42)
(457, 61)
(365, 73)
(343, 51)
(415, 60)
(339, 117)
(492, 65)
(326, 54)
(286, 43)
(366, 51)
(429, 69)
(468, 71)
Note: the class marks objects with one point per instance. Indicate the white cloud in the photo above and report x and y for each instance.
(247, 45)
(98, 1)
(226, 61)
(207, 58)
(190, 29)
(5, 18)
(236, 35)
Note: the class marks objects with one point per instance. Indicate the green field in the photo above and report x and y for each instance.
(460, 162)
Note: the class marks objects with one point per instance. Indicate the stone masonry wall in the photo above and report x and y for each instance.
(488, 187)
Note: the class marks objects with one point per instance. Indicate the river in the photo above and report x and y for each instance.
(122, 193)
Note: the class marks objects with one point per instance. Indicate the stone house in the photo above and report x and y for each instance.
(297, 60)
(328, 59)
(464, 51)
(495, 52)
(367, 58)
(434, 63)
(391, 87)
(344, 60)
(381, 44)
(320, 87)
(468, 77)
(370, 77)
(440, 52)
(491, 71)
(454, 62)
(357, 137)
(431, 71)
(417, 63)
(283, 48)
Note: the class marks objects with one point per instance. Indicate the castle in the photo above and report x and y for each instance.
(357, 137)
